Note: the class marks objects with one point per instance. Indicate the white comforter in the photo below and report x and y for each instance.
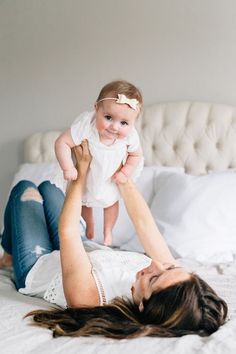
(17, 336)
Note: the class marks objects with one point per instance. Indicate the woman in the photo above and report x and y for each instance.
(162, 298)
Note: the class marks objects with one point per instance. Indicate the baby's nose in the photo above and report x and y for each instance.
(115, 125)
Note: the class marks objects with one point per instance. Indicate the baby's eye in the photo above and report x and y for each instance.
(123, 122)
(107, 117)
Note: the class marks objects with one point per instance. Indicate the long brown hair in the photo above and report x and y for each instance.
(189, 307)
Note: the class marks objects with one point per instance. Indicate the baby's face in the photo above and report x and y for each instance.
(114, 120)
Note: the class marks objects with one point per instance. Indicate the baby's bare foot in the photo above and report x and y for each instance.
(5, 260)
(108, 238)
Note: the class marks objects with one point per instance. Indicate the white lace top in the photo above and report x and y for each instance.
(113, 271)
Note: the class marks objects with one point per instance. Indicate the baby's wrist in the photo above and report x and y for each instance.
(125, 173)
(70, 175)
(69, 169)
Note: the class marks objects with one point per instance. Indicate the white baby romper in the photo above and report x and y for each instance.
(100, 191)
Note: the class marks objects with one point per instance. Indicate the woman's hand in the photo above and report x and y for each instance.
(83, 158)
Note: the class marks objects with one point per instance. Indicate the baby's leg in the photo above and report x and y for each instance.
(87, 214)
(110, 217)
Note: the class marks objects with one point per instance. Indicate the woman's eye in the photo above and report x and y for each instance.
(108, 117)
(172, 266)
(123, 123)
(154, 277)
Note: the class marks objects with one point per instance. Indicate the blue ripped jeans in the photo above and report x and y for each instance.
(31, 225)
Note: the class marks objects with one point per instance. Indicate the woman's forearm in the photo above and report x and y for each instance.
(78, 282)
(145, 226)
(69, 228)
(76, 266)
(71, 212)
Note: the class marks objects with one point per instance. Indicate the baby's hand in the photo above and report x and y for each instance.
(119, 177)
(70, 175)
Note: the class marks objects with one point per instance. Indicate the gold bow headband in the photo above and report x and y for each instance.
(122, 99)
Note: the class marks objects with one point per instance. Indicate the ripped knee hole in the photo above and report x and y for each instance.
(31, 194)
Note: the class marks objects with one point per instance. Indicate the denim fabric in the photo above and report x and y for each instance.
(31, 225)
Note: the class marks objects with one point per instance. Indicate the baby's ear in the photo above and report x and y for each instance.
(96, 106)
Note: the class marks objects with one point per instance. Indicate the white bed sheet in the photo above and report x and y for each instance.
(17, 336)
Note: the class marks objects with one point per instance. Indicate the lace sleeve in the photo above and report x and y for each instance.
(54, 293)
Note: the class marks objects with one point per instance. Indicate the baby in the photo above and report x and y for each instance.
(115, 148)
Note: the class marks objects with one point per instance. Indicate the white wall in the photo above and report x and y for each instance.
(56, 54)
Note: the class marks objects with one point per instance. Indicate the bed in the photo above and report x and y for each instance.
(189, 182)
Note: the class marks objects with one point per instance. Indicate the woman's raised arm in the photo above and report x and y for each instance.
(78, 282)
(145, 226)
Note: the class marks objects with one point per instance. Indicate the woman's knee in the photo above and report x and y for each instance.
(26, 191)
(46, 188)
(22, 186)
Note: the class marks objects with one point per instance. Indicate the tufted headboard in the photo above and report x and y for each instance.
(200, 137)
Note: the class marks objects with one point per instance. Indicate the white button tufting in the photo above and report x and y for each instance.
(176, 133)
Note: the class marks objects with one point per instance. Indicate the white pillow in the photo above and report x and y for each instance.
(126, 236)
(197, 214)
(36, 172)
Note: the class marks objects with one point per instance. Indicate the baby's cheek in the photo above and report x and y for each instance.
(123, 133)
(100, 124)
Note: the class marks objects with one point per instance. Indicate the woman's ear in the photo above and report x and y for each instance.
(96, 106)
(141, 306)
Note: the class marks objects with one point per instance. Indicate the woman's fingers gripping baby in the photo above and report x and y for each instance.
(83, 157)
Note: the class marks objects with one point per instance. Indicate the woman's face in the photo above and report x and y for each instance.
(155, 277)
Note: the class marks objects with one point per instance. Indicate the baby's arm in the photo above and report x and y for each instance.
(63, 146)
(132, 162)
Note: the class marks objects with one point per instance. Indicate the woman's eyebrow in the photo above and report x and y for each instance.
(173, 267)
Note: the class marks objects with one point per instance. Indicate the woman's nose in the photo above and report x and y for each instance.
(157, 266)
